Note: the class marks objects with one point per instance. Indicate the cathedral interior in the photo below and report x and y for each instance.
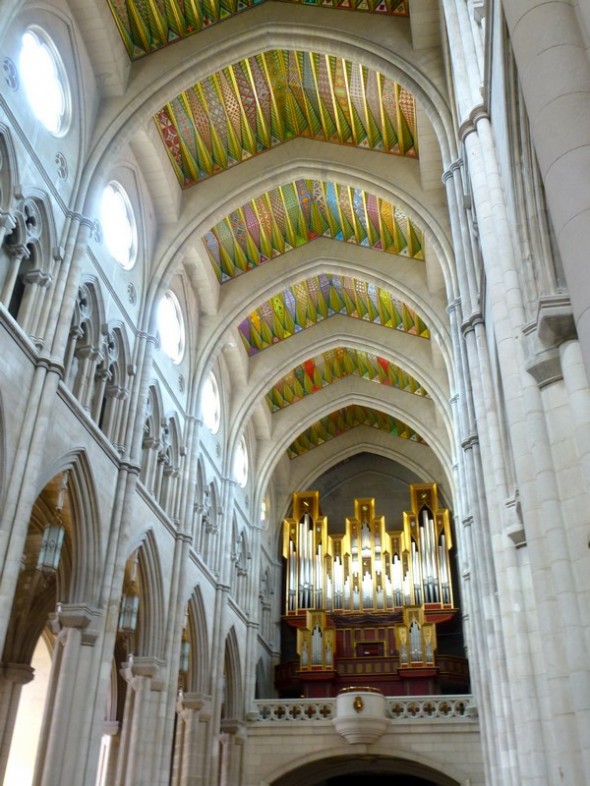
(294, 400)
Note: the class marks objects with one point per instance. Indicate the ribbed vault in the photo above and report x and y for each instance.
(321, 260)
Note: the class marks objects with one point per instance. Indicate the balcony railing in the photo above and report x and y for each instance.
(399, 708)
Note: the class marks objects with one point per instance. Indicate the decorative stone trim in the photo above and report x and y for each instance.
(554, 325)
(515, 525)
(398, 708)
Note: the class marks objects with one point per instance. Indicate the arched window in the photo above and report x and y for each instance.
(241, 463)
(118, 225)
(45, 81)
(211, 404)
(171, 327)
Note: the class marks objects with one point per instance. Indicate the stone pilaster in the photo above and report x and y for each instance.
(65, 733)
(12, 678)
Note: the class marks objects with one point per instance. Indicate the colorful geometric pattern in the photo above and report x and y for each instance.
(263, 101)
(310, 301)
(318, 372)
(298, 212)
(149, 25)
(337, 423)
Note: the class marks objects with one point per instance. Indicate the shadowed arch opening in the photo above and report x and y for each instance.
(378, 770)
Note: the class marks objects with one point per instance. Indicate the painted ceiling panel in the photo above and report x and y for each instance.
(343, 420)
(149, 25)
(266, 100)
(298, 212)
(318, 298)
(318, 372)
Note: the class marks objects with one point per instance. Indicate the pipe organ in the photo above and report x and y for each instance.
(367, 602)
(368, 568)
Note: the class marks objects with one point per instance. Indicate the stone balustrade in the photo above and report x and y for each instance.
(398, 708)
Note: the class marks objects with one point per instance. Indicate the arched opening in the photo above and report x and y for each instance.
(373, 770)
(45, 577)
(27, 727)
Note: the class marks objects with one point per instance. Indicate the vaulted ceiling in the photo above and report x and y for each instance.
(328, 258)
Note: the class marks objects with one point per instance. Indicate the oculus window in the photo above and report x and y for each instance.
(118, 225)
(44, 78)
(241, 463)
(171, 327)
(211, 404)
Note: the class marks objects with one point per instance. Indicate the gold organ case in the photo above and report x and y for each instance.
(367, 601)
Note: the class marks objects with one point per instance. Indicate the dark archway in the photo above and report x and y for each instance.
(378, 780)
(367, 768)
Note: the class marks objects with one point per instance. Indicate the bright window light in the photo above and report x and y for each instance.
(44, 79)
(118, 225)
(171, 327)
(241, 463)
(210, 404)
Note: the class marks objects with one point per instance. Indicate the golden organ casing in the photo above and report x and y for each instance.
(369, 600)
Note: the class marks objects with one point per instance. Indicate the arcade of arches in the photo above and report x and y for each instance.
(294, 402)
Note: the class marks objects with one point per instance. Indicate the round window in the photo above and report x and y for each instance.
(118, 225)
(44, 78)
(241, 463)
(171, 327)
(210, 404)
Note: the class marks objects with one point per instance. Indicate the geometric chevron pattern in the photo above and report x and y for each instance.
(274, 96)
(320, 297)
(148, 25)
(345, 419)
(299, 212)
(318, 372)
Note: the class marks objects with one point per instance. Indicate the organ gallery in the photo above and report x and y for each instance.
(369, 598)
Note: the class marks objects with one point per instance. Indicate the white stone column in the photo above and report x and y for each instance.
(232, 739)
(65, 734)
(139, 747)
(480, 476)
(12, 678)
(193, 724)
(552, 581)
(524, 421)
(36, 282)
(17, 254)
(7, 224)
(554, 74)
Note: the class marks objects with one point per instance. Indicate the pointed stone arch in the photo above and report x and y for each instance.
(2, 450)
(8, 170)
(199, 637)
(234, 699)
(86, 548)
(152, 616)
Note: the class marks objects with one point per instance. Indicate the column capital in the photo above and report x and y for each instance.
(80, 616)
(234, 728)
(18, 673)
(480, 112)
(144, 666)
(195, 702)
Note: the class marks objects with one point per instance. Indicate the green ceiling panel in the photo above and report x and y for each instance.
(316, 373)
(318, 298)
(149, 25)
(343, 420)
(278, 95)
(299, 212)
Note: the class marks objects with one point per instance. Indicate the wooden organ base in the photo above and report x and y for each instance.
(365, 654)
